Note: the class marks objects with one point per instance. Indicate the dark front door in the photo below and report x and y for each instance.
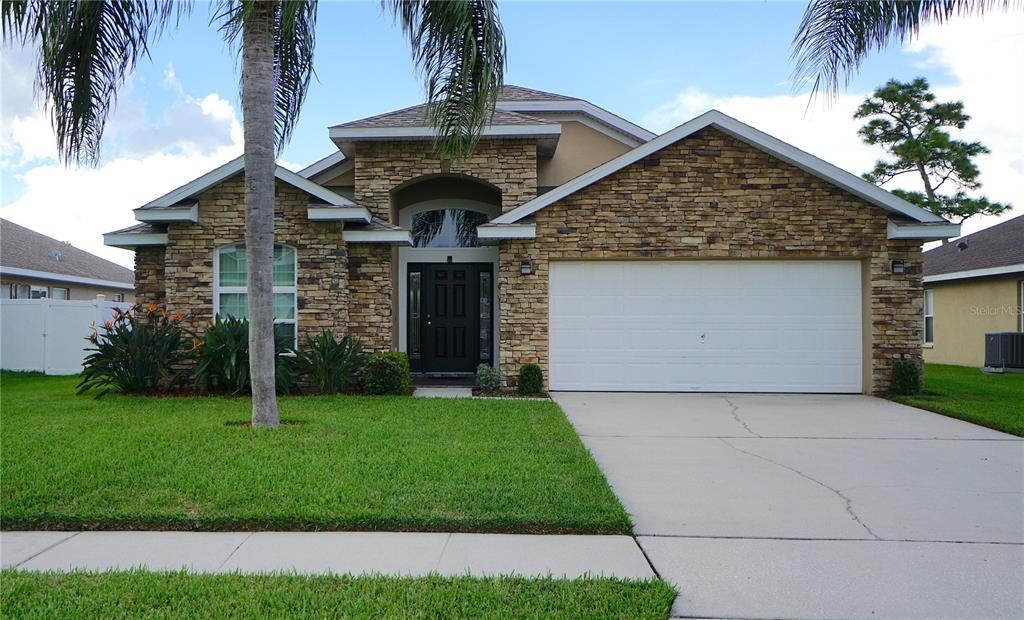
(448, 305)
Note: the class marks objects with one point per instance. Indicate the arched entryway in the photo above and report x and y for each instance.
(447, 311)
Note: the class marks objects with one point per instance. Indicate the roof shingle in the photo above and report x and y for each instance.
(416, 116)
(22, 248)
(997, 246)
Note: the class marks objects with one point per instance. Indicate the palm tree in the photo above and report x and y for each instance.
(835, 36)
(86, 51)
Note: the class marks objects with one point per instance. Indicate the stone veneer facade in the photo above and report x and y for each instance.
(707, 196)
(322, 278)
(712, 196)
(381, 167)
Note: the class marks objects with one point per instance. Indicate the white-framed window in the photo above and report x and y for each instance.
(230, 297)
(60, 292)
(117, 297)
(40, 292)
(929, 316)
(20, 291)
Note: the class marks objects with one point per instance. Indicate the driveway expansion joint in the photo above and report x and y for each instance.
(848, 503)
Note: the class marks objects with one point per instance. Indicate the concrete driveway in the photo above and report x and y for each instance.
(801, 506)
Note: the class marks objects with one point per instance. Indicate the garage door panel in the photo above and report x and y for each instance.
(770, 326)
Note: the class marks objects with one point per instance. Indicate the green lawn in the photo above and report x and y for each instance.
(343, 462)
(137, 594)
(995, 401)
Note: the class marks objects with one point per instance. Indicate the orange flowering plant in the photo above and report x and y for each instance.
(138, 351)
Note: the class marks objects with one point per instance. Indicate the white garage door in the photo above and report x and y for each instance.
(714, 326)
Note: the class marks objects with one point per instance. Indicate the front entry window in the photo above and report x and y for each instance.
(232, 299)
(446, 228)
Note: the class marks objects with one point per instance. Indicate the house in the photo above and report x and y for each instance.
(973, 286)
(713, 257)
(34, 266)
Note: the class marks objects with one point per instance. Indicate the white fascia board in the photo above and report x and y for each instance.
(395, 133)
(585, 107)
(317, 167)
(394, 237)
(927, 232)
(975, 273)
(63, 277)
(312, 188)
(786, 152)
(188, 213)
(338, 214)
(514, 231)
(129, 241)
(209, 179)
(228, 170)
(602, 128)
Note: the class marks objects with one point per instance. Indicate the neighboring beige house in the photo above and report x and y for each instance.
(713, 257)
(973, 286)
(34, 266)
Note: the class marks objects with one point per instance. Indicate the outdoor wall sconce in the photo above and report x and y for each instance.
(898, 266)
(526, 267)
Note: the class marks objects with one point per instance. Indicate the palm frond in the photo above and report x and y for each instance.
(835, 36)
(459, 47)
(86, 51)
(294, 43)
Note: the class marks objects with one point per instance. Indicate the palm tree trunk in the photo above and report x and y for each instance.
(258, 123)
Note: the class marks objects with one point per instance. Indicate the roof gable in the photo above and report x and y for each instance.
(230, 169)
(786, 152)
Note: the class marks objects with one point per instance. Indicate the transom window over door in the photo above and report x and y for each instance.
(230, 297)
(446, 228)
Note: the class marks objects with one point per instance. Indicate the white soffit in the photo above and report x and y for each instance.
(128, 241)
(787, 152)
(927, 232)
(338, 214)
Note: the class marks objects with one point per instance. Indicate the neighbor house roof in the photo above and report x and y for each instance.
(27, 253)
(911, 222)
(996, 250)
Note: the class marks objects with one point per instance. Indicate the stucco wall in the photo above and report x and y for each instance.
(579, 149)
(964, 311)
(713, 196)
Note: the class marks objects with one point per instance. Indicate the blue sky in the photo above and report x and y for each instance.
(657, 64)
(626, 57)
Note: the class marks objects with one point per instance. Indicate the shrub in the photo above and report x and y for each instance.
(488, 380)
(330, 365)
(531, 380)
(223, 359)
(906, 378)
(139, 352)
(387, 373)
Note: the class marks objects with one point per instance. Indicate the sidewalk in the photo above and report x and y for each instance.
(355, 553)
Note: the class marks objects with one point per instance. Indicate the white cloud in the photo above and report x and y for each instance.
(79, 204)
(981, 54)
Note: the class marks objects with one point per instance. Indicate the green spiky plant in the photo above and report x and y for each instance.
(835, 36)
(86, 50)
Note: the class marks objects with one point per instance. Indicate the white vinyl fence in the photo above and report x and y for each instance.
(48, 335)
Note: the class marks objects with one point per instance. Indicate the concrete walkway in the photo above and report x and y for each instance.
(783, 506)
(354, 553)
